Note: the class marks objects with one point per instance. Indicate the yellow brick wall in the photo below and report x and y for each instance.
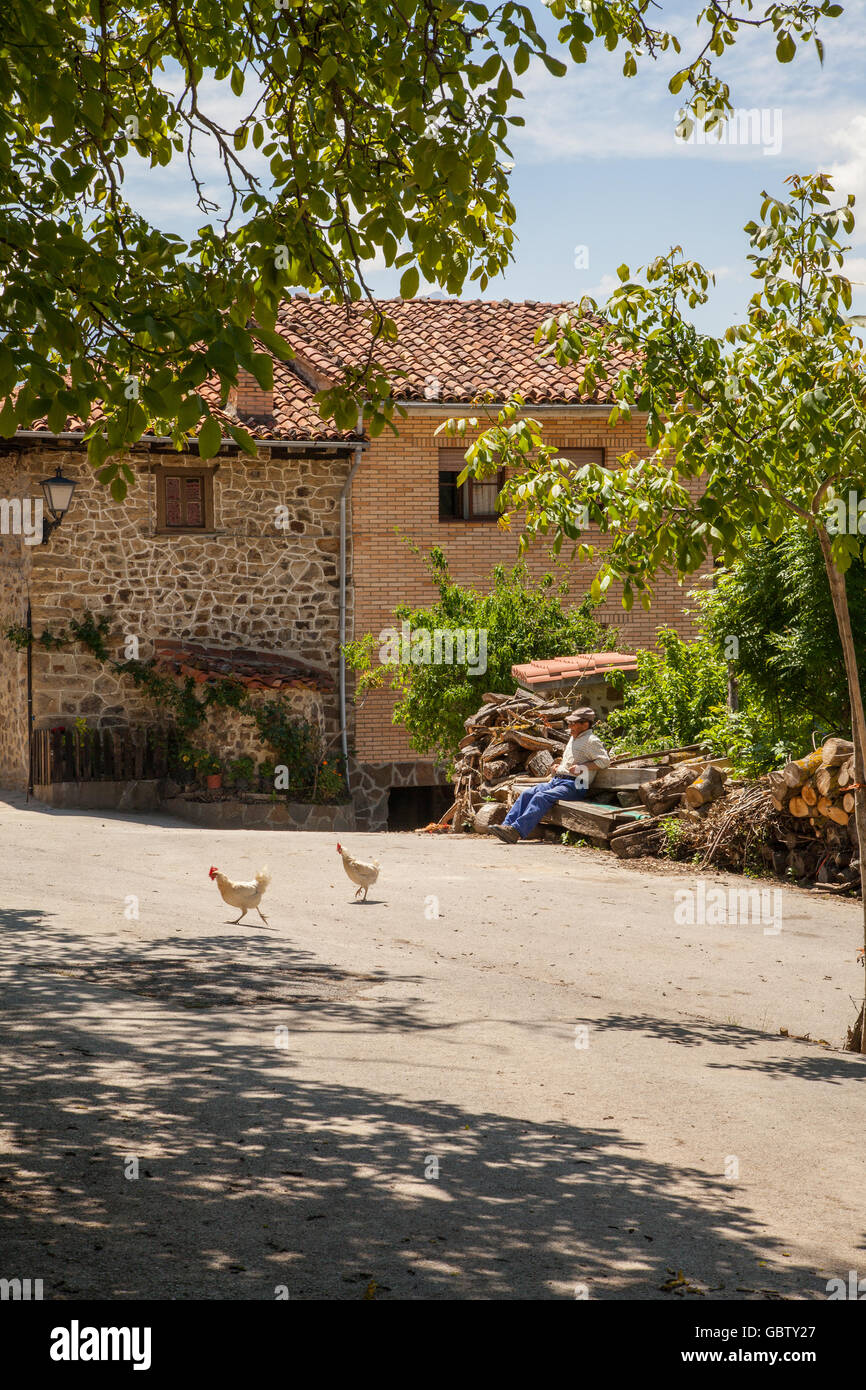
(396, 490)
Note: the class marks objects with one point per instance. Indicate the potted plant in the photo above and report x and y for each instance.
(210, 768)
(241, 773)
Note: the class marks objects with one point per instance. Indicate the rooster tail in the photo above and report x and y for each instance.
(263, 878)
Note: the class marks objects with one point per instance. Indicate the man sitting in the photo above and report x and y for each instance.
(584, 756)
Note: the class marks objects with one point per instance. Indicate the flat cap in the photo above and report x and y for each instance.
(585, 715)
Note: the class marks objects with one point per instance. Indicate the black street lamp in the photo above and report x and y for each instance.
(58, 498)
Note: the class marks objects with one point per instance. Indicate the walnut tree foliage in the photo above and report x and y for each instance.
(375, 129)
(775, 601)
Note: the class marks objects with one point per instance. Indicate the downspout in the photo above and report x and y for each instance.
(29, 700)
(344, 498)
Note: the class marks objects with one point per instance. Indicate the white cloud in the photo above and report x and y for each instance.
(601, 291)
(849, 172)
(855, 269)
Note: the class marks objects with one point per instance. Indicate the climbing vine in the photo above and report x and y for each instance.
(295, 743)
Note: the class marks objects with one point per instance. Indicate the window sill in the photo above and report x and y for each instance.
(186, 531)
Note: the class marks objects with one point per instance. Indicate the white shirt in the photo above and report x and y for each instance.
(586, 748)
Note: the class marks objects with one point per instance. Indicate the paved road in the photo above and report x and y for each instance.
(603, 1090)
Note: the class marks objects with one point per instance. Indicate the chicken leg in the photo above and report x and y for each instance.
(233, 922)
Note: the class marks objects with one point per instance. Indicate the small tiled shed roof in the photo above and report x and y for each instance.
(586, 669)
(254, 669)
(446, 349)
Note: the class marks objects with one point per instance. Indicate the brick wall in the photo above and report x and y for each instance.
(249, 399)
(396, 489)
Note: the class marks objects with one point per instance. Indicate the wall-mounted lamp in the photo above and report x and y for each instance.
(58, 498)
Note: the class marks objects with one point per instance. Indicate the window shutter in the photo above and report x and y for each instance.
(451, 460)
(194, 513)
(173, 503)
(581, 456)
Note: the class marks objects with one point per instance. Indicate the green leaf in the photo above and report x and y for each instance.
(409, 282)
(209, 438)
(244, 439)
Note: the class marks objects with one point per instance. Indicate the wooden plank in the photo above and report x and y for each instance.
(69, 769)
(630, 778)
(585, 817)
(659, 754)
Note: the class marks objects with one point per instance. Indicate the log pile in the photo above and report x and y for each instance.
(514, 741)
(819, 787)
(798, 822)
(508, 735)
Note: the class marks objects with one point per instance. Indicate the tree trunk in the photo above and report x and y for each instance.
(839, 594)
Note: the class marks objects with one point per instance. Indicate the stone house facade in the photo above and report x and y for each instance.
(258, 576)
(265, 567)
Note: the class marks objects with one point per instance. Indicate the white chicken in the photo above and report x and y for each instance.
(245, 895)
(363, 874)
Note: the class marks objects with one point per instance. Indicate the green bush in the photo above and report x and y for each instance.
(675, 695)
(776, 604)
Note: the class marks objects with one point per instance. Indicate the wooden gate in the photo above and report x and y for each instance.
(100, 755)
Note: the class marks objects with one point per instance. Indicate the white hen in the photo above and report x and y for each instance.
(245, 895)
(364, 875)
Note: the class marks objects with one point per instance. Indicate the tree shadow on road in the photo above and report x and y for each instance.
(251, 1177)
(815, 1063)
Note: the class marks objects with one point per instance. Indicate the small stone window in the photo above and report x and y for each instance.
(184, 500)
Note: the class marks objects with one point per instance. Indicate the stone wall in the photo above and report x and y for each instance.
(15, 567)
(262, 579)
(371, 784)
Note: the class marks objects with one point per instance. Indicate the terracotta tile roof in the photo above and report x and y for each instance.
(295, 414)
(446, 349)
(586, 668)
(254, 669)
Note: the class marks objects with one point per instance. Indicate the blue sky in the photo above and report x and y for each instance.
(598, 165)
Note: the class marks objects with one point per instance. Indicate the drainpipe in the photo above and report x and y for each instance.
(29, 700)
(344, 497)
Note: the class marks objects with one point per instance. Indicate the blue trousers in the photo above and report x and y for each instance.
(535, 802)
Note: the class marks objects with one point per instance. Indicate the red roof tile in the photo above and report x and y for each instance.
(295, 413)
(586, 667)
(254, 669)
(446, 349)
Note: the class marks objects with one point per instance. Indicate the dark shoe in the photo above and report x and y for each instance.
(508, 834)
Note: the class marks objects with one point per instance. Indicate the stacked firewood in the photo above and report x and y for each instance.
(508, 735)
(799, 821)
(819, 787)
(815, 834)
(515, 740)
